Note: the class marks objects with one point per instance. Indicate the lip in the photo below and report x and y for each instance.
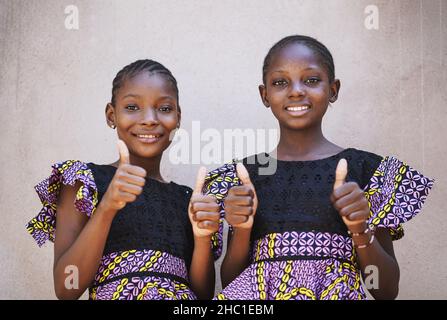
(148, 137)
(299, 111)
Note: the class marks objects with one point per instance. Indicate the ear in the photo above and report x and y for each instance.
(110, 115)
(335, 89)
(263, 94)
(179, 116)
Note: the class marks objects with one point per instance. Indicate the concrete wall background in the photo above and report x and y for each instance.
(55, 83)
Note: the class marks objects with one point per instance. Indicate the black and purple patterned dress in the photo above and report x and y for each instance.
(300, 247)
(150, 243)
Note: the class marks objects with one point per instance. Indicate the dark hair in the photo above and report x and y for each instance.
(311, 43)
(137, 67)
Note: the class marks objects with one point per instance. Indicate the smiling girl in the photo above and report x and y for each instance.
(312, 228)
(129, 233)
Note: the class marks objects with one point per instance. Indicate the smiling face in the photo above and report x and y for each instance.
(145, 112)
(297, 87)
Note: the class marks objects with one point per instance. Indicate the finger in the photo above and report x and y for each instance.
(358, 216)
(246, 201)
(239, 210)
(244, 190)
(203, 198)
(340, 173)
(132, 179)
(345, 189)
(123, 152)
(243, 175)
(205, 206)
(126, 196)
(353, 207)
(134, 170)
(130, 188)
(236, 220)
(200, 181)
(347, 199)
(208, 225)
(203, 215)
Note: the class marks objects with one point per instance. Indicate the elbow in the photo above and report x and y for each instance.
(62, 293)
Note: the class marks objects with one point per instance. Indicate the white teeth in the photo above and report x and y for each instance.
(297, 108)
(147, 136)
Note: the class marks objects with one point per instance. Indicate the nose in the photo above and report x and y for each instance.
(297, 89)
(149, 117)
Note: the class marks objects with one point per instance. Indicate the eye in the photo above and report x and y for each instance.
(166, 108)
(132, 107)
(280, 82)
(312, 81)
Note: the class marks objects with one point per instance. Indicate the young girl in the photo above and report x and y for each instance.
(126, 232)
(308, 231)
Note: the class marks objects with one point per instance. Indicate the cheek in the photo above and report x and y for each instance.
(169, 121)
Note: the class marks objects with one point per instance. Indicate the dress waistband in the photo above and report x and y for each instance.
(303, 245)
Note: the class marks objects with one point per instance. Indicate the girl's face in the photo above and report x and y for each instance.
(145, 112)
(297, 88)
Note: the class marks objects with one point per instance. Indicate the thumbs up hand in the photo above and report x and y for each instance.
(349, 200)
(241, 202)
(203, 209)
(126, 184)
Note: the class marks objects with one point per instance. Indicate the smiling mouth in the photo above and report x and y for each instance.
(148, 138)
(298, 108)
(297, 111)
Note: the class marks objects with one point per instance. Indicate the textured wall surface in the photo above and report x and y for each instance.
(55, 83)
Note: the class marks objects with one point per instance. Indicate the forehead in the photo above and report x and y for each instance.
(146, 83)
(295, 55)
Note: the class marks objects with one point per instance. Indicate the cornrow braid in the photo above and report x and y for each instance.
(133, 69)
(312, 43)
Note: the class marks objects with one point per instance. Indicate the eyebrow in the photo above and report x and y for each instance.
(308, 68)
(133, 95)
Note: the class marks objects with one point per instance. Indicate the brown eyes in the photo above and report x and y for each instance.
(309, 81)
(164, 108)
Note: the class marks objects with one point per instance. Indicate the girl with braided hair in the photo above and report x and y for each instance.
(129, 233)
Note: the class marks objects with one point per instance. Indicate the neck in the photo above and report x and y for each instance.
(306, 144)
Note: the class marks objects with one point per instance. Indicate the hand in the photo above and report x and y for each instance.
(349, 200)
(203, 210)
(126, 184)
(241, 202)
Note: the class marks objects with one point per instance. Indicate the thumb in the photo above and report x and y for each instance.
(242, 173)
(200, 181)
(340, 173)
(123, 151)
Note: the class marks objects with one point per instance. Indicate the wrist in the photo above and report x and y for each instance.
(106, 212)
(202, 241)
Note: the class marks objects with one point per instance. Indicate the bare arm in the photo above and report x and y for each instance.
(201, 272)
(237, 255)
(79, 242)
(381, 255)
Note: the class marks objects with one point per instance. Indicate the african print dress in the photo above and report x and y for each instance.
(150, 243)
(300, 247)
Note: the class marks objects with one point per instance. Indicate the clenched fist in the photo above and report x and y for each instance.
(241, 202)
(203, 209)
(349, 200)
(126, 184)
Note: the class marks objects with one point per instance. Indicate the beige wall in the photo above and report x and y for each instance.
(54, 84)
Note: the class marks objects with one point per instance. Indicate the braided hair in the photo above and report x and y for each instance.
(135, 68)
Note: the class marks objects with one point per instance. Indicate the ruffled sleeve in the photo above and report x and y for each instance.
(396, 193)
(217, 184)
(43, 226)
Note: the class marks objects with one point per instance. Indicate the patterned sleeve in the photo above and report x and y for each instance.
(217, 184)
(396, 193)
(42, 227)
